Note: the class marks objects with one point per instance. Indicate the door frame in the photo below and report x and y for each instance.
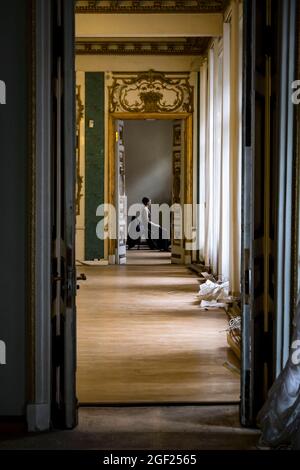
(48, 40)
(111, 164)
(38, 409)
(268, 301)
(120, 253)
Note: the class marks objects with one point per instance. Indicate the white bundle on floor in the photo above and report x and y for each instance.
(212, 305)
(214, 291)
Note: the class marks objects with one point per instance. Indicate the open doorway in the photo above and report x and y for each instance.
(148, 173)
(60, 265)
(141, 337)
(174, 152)
(51, 210)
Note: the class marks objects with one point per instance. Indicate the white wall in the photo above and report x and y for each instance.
(119, 63)
(148, 147)
(148, 25)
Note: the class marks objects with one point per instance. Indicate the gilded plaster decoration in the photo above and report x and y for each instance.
(151, 92)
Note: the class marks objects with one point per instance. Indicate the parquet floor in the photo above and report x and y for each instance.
(143, 339)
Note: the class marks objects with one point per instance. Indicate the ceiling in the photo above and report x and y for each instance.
(97, 42)
(150, 6)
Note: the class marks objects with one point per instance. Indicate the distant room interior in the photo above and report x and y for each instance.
(148, 147)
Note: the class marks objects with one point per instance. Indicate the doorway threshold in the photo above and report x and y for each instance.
(161, 404)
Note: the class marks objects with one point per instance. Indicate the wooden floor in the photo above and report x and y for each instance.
(147, 257)
(143, 339)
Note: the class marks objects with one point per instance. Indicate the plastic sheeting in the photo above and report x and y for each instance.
(213, 294)
(279, 419)
(214, 291)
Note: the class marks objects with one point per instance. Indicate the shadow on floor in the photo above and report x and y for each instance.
(147, 428)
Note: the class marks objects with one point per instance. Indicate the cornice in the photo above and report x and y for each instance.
(188, 46)
(150, 6)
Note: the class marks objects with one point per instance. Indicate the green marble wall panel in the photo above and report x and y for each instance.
(94, 161)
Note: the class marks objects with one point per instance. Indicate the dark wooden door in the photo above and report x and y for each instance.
(257, 218)
(64, 410)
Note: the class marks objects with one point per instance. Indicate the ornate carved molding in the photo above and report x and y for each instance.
(150, 6)
(186, 46)
(79, 106)
(79, 178)
(151, 92)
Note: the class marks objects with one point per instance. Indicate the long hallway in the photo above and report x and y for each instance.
(143, 339)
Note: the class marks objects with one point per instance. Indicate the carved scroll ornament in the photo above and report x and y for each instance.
(151, 92)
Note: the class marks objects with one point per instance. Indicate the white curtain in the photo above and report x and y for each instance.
(202, 161)
(212, 149)
(224, 264)
(217, 158)
(220, 153)
(236, 78)
(209, 155)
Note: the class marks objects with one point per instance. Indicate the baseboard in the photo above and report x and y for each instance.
(12, 425)
(38, 417)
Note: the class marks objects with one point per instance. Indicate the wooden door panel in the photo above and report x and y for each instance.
(64, 403)
(261, 65)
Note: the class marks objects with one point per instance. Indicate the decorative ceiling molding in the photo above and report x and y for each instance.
(151, 92)
(188, 46)
(150, 6)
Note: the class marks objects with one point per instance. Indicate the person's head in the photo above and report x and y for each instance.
(146, 201)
